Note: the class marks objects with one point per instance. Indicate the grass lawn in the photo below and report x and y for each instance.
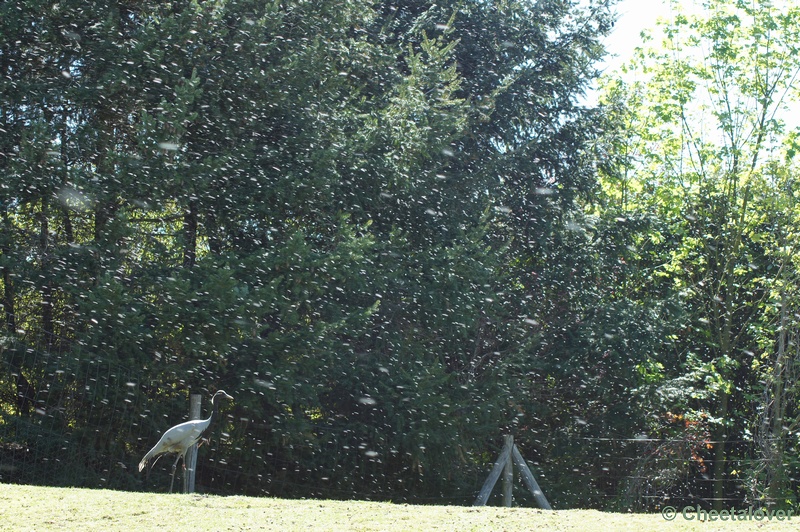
(37, 508)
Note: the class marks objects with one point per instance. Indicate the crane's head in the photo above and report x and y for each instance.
(220, 395)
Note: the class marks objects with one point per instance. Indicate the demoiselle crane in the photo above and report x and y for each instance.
(181, 437)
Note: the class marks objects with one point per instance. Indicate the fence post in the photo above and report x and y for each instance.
(508, 473)
(491, 480)
(195, 401)
(529, 480)
(509, 457)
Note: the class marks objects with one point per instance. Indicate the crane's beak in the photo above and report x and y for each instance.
(227, 396)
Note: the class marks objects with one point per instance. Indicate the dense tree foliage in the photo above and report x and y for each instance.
(355, 218)
(395, 232)
(708, 157)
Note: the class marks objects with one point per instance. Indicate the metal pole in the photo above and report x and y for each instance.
(195, 401)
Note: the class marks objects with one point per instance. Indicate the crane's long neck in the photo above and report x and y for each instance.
(214, 408)
(211, 418)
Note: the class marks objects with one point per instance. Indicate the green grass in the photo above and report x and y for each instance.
(36, 508)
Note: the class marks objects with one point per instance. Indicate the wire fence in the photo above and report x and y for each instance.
(68, 428)
(88, 421)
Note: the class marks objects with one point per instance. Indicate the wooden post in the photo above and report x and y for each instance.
(508, 473)
(508, 456)
(195, 401)
(530, 482)
(486, 490)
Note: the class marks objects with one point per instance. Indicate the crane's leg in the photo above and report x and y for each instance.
(175, 465)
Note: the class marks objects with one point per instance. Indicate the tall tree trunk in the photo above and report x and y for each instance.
(720, 453)
(190, 235)
(212, 233)
(9, 313)
(47, 285)
(103, 214)
(772, 438)
(724, 306)
(7, 141)
(64, 140)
